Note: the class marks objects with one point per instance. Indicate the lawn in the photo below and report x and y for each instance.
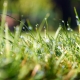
(39, 55)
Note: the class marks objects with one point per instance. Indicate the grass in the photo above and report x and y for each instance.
(37, 55)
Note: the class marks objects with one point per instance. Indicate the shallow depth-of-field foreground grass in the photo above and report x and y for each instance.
(37, 56)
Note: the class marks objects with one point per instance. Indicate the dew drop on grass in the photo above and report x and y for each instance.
(46, 40)
(51, 52)
(17, 28)
(30, 28)
(77, 22)
(63, 66)
(76, 17)
(69, 29)
(67, 24)
(36, 25)
(62, 21)
(59, 47)
(44, 27)
(21, 37)
(23, 28)
(45, 19)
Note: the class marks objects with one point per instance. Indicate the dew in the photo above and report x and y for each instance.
(30, 28)
(78, 23)
(67, 24)
(17, 28)
(23, 28)
(76, 17)
(37, 25)
(62, 21)
(63, 66)
(47, 40)
(21, 37)
(69, 29)
(51, 52)
(44, 27)
(45, 18)
(59, 47)
(59, 24)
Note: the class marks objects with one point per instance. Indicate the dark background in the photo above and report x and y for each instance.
(35, 11)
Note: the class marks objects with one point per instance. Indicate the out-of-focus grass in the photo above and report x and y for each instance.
(39, 56)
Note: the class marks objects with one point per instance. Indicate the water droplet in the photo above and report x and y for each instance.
(67, 24)
(47, 40)
(30, 28)
(76, 17)
(78, 23)
(36, 25)
(44, 27)
(23, 28)
(51, 52)
(45, 18)
(69, 29)
(59, 47)
(21, 36)
(62, 21)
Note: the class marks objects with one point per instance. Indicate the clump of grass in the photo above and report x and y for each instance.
(39, 56)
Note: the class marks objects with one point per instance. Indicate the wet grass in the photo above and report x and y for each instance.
(39, 56)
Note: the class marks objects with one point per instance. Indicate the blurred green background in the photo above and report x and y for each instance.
(36, 10)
